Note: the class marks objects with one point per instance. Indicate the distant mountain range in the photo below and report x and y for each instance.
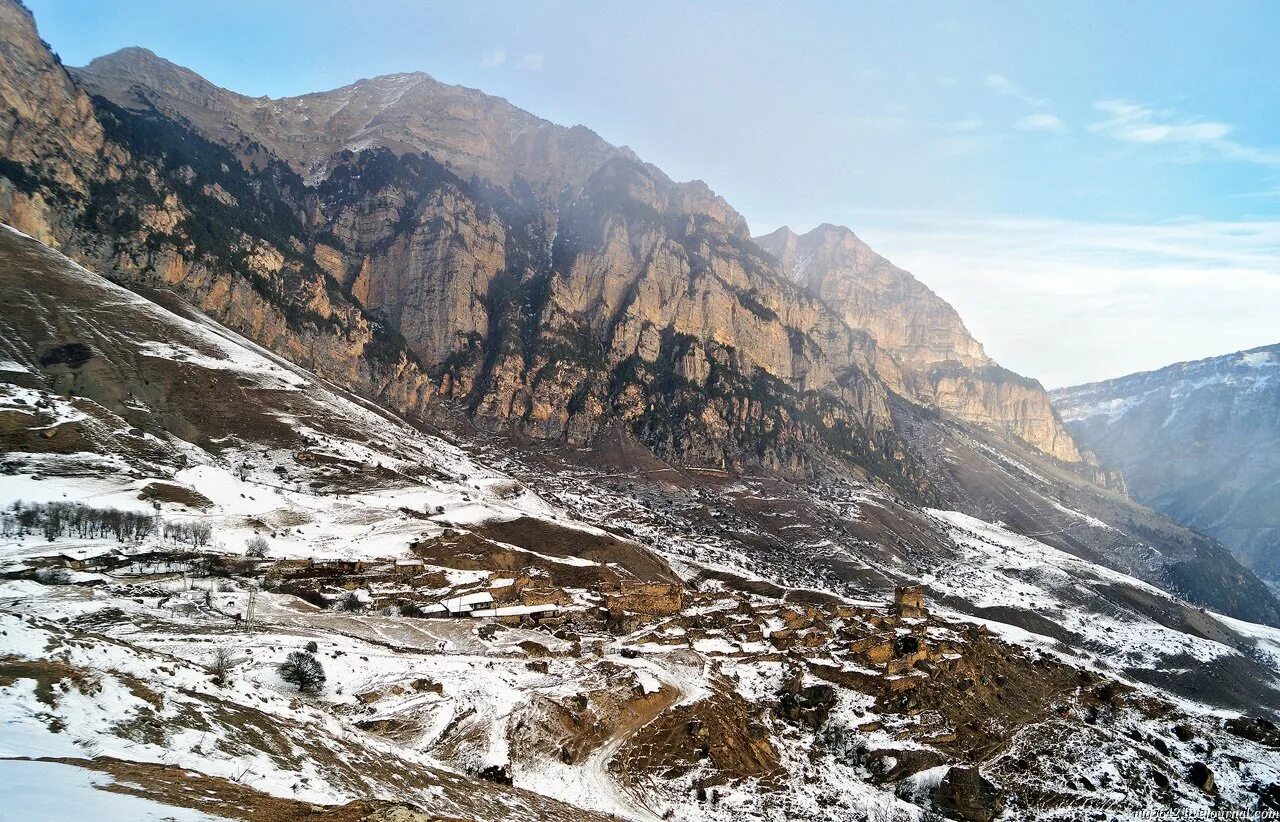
(1199, 441)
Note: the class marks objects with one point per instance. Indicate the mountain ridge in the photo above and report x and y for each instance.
(973, 395)
(925, 351)
(1197, 440)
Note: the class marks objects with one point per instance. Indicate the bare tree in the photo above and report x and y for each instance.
(304, 670)
(201, 533)
(256, 546)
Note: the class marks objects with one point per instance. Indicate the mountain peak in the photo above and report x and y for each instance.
(908, 320)
(464, 128)
(128, 54)
(828, 229)
(136, 59)
(135, 74)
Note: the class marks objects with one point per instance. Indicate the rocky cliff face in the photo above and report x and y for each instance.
(633, 301)
(51, 145)
(471, 133)
(428, 244)
(140, 195)
(625, 298)
(1199, 441)
(910, 323)
(926, 353)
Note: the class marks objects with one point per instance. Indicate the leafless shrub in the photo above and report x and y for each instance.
(303, 670)
(223, 664)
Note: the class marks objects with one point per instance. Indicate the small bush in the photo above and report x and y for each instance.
(222, 664)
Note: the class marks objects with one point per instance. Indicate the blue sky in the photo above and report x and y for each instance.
(1096, 187)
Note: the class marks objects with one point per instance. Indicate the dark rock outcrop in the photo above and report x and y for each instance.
(964, 793)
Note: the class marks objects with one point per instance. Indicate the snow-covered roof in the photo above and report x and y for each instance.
(513, 610)
(465, 602)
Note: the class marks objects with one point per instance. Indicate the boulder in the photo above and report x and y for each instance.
(1201, 776)
(809, 706)
(964, 793)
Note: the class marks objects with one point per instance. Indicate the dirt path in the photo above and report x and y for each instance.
(592, 778)
(596, 776)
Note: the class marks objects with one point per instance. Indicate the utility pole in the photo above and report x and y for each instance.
(248, 612)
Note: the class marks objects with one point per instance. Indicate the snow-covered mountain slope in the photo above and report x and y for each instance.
(112, 400)
(644, 641)
(1199, 441)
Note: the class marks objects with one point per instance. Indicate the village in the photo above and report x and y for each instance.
(891, 649)
(730, 676)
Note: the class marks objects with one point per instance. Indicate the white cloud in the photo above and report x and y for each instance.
(1135, 123)
(1000, 83)
(531, 62)
(1069, 301)
(1003, 85)
(493, 58)
(1040, 122)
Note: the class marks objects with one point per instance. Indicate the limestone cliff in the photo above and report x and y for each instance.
(912, 338)
(159, 207)
(440, 250)
(925, 351)
(625, 298)
(50, 141)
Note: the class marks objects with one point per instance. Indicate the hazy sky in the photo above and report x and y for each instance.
(1096, 187)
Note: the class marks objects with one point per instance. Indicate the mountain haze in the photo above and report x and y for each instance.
(1199, 441)
(925, 351)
